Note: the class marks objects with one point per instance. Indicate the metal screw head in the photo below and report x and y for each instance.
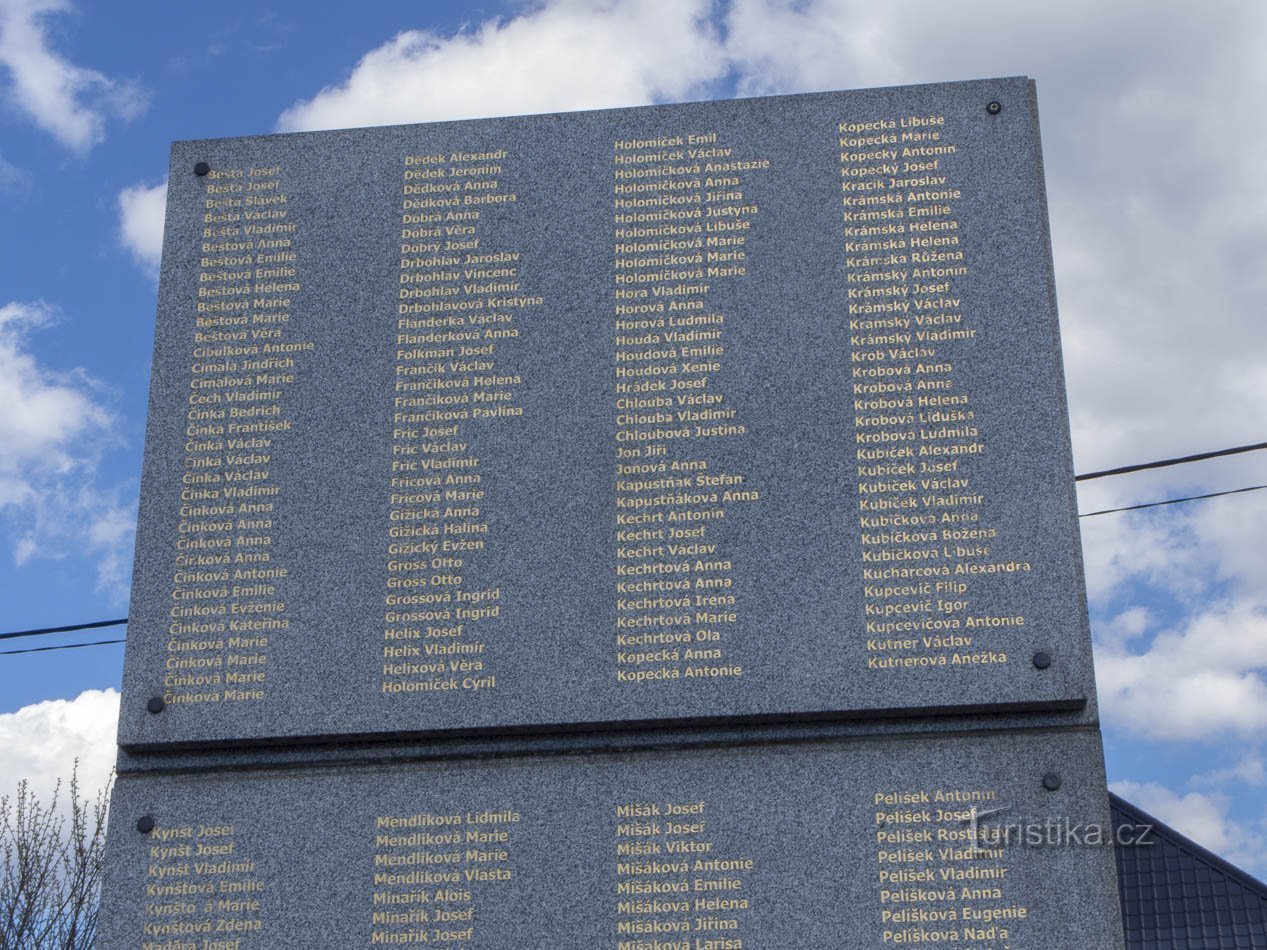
(1051, 781)
(994, 107)
(156, 705)
(201, 169)
(1042, 659)
(145, 824)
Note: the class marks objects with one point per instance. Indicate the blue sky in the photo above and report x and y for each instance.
(1153, 144)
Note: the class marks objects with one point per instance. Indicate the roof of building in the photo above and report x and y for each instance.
(1176, 895)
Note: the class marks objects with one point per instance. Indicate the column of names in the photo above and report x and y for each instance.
(674, 886)
(461, 309)
(682, 225)
(939, 879)
(228, 587)
(201, 891)
(927, 538)
(434, 872)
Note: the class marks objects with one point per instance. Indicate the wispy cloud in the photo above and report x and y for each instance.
(1249, 770)
(1179, 596)
(69, 102)
(12, 178)
(55, 428)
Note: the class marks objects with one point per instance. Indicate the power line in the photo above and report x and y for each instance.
(72, 627)
(1173, 501)
(1163, 463)
(65, 646)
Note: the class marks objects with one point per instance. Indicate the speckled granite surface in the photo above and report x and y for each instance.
(892, 531)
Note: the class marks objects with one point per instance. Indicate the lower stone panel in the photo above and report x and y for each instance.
(904, 842)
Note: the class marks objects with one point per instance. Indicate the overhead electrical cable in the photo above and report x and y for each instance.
(75, 626)
(1173, 501)
(1163, 463)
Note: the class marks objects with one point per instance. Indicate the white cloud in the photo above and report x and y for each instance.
(566, 54)
(823, 44)
(46, 412)
(13, 178)
(40, 743)
(1202, 817)
(1249, 770)
(1165, 554)
(1236, 526)
(54, 428)
(1180, 599)
(142, 209)
(1130, 624)
(1202, 679)
(69, 102)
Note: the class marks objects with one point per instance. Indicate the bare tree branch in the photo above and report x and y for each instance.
(50, 875)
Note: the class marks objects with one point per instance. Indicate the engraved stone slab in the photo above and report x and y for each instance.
(736, 409)
(838, 845)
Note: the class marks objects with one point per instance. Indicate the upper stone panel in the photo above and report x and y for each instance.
(736, 409)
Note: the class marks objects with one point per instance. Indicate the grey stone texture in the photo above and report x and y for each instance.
(833, 844)
(798, 612)
(618, 737)
(680, 553)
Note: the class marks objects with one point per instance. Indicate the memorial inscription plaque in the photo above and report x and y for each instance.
(831, 846)
(729, 409)
(476, 449)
